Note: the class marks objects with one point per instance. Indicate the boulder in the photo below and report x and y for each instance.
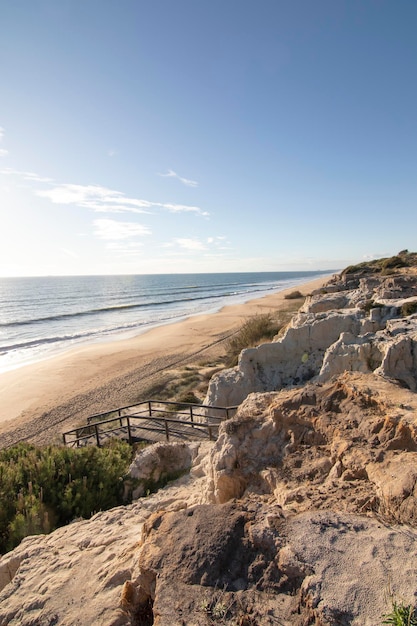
(157, 464)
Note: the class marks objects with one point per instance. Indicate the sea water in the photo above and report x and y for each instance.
(42, 316)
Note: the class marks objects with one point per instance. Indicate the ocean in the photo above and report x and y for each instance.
(40, 317)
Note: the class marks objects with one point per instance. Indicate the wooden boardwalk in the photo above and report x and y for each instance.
(152, 421)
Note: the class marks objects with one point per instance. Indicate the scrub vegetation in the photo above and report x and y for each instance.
(44, 488)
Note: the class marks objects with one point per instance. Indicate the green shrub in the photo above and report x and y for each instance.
(44, 488)
(394, 261)
(401, 615)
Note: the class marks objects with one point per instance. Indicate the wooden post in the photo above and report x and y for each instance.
(97, 435)
(129, 432)
(191, 416)
(150, 408)
(210, 435)
(166, 430)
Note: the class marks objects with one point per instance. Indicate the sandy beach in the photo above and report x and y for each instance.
(39, 401)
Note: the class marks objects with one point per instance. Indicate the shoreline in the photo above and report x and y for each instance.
(49, 347)
(42, 399)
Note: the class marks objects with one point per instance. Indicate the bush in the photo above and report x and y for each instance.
(253, 331)
(409, 308)
(294, 295)
(370, 304)
(393, 262)
(44, 488)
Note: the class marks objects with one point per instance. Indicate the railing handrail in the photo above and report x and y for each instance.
(93, 427)
(163, 402)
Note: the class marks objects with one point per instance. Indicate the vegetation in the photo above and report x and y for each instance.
(183, 384)
(253, 331)
(44, 488)
(401, 615)
(371, 304)
(409, 308)
(294, 295)
(384, 266)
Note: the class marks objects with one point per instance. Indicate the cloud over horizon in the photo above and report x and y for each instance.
(190, 244)
(113, 230)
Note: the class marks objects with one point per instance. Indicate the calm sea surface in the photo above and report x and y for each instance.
(42, 316)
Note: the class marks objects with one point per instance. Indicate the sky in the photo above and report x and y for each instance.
(172, 136)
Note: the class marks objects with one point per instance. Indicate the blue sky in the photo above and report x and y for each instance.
(206, 135)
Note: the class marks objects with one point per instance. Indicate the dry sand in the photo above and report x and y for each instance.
(41, 400)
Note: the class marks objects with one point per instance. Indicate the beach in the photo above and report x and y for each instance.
(41, 400)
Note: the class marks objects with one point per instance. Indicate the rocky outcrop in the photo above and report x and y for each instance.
(157, 464)
(247, 563)
(302, 513)
(353, 324)
(308, 446)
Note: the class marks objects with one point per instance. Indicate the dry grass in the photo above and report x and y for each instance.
(294, 295)
(255, 330)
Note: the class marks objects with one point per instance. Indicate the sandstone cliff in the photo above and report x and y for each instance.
(302, 512)
(359, 322)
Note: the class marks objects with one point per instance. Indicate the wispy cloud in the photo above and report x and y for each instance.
(371, 256)
(111, 229)
(3, 151)
(29, 176)
(210, 243)
(104, 200)
(184, 208)
(190, 244)
(185, 181)
(96, 197)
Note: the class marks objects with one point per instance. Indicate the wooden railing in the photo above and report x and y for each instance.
(151, 420)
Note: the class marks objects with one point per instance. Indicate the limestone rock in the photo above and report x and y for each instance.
(246, 563)
(349, 325)
(308, 446)
(159, 462)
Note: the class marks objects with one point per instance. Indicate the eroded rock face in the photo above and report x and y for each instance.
(285, 519)
(246, 563)
(350, 325)
(334, 444)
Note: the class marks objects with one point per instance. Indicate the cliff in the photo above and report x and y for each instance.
(302, 512)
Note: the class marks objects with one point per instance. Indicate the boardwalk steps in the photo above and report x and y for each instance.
(151, 420)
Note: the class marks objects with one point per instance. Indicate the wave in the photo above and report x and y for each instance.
(69, 338)
(122, 307)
